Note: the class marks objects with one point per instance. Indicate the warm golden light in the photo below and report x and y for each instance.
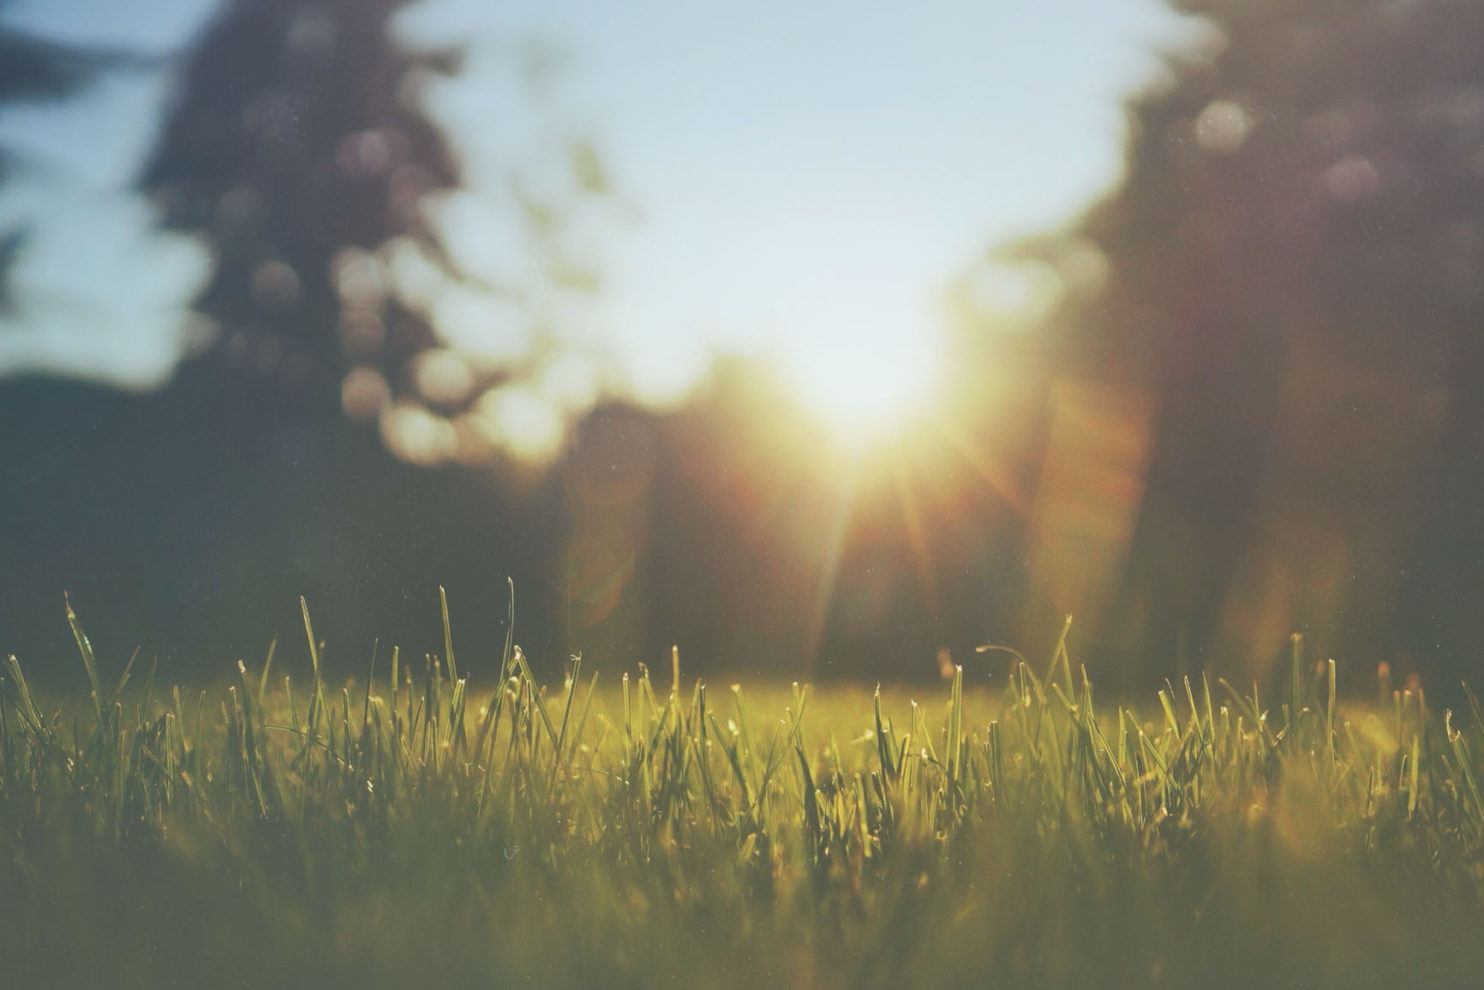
(867, 390)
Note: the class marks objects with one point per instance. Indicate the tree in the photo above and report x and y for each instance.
(293, 147)
(1293, 285)
(305, 153)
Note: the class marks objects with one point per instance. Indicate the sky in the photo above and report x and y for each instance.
(795, 181)
(101, 294)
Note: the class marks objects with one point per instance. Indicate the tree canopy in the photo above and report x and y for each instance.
(1292, 280)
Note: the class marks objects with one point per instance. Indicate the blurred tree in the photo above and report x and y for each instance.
(306, 153)
(296, 151)
(300, 151)
(1291, 275)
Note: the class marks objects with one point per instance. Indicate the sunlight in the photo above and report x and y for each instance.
(867, 389)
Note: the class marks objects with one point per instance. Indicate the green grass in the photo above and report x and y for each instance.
(455, 823)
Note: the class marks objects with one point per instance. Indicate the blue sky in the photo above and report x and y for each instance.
(798, 180)
(102, 294)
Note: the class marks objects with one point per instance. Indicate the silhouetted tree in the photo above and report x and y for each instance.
(295, 145)
(304, 153)
(1295, 280)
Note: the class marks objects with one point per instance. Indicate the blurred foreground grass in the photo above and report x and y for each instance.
(420, 828)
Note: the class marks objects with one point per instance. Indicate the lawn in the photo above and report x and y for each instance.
(458, 824)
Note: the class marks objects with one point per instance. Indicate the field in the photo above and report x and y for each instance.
(458, 824)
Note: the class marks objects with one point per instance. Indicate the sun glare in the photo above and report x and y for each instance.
(866, 390)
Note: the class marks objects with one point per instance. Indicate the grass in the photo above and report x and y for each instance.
(455, 823)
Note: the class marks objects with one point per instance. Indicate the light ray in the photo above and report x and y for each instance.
(994, 475)
(829, 571)
(916, 534)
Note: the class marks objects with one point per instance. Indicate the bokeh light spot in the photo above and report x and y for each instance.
(364, 393)
(442, 376)
(518, 419)
(1223, 127)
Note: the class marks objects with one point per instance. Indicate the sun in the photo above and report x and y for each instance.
(867, 388)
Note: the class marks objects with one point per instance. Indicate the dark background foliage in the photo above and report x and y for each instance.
(1262, 414)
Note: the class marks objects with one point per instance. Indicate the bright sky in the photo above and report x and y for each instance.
(803, 177)
(101, 294)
